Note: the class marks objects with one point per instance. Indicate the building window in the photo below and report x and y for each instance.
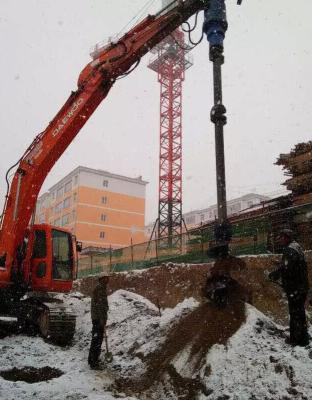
(105, 183)
(249, 204)
(103, 217)
(202, 217)
(68, 186)
(59, 193)
(75, 196)
(104, 200)
(65, 219)
(76, 180)
(53, 195)
(58, 207)
(102, 235)
(66, 202)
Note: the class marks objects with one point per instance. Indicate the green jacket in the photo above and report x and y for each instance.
(99, 303)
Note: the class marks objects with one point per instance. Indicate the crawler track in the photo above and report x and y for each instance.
(57, 323)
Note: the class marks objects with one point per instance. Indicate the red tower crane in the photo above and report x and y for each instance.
(170, 64)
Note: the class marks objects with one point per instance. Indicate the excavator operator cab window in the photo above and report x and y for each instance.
(40, 244)
(62, 256)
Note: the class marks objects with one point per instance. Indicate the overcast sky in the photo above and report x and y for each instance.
(267, 91)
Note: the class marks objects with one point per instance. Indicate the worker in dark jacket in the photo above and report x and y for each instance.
(293, 273)
(99, 309)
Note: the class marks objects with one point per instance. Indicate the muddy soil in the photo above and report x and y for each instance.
(31, 374)
(170, 284)
(199, 331)
(167, 375)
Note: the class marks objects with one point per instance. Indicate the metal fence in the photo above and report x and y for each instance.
(251, 235)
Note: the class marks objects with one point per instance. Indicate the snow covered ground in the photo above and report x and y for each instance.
(255, 364)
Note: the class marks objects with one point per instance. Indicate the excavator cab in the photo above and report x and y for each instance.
(52, 259)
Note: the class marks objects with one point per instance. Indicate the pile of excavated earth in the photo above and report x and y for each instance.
(168, 342)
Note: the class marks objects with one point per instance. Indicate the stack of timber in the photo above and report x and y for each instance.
(298, 166)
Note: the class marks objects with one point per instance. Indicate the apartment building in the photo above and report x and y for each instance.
(101, 208)
(234, 206)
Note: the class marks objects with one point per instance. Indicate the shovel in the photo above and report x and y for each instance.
(108, 354)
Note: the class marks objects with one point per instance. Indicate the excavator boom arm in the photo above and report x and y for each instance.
(94, 83)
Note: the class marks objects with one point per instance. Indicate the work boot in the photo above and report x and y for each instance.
(301, 343)
(290, 342)
(98, 366)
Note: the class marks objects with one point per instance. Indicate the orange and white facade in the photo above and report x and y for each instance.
(102, 209)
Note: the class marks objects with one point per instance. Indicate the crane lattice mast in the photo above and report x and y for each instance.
(170, 63)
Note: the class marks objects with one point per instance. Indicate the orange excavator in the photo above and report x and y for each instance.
(36, 260)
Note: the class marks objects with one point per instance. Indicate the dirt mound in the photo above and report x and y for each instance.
(31, 374)
(170, 284)
(185, 348)
(191, 351)
(200, 351)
